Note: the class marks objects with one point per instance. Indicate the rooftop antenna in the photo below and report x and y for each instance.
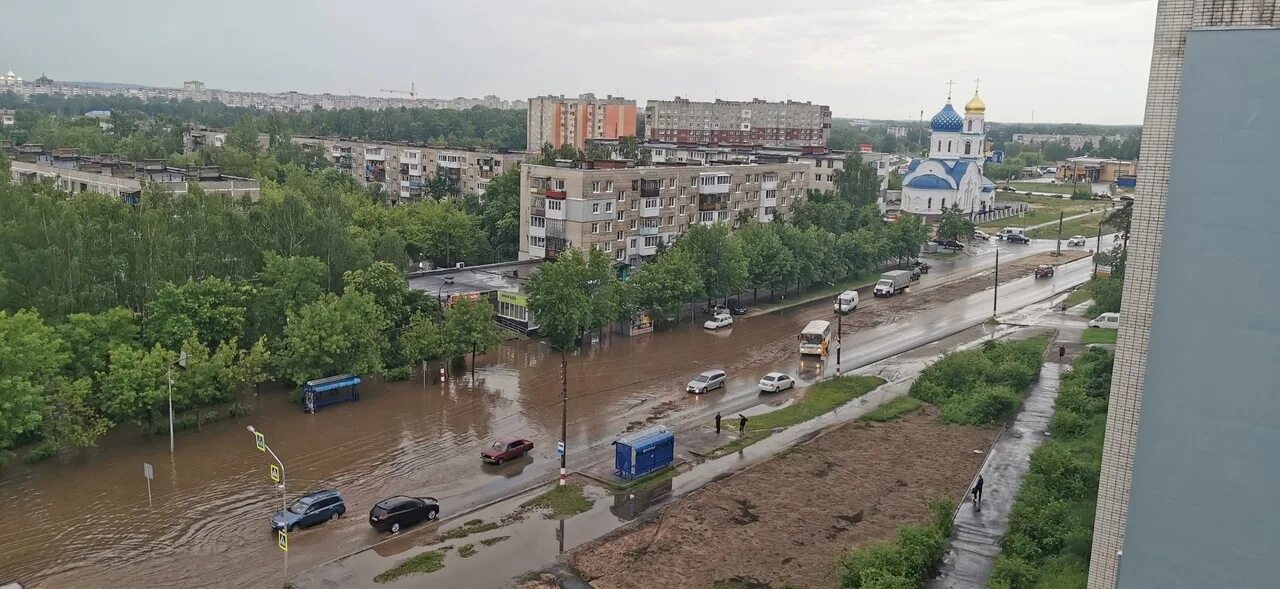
(412, 91)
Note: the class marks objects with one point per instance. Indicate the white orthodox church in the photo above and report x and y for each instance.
(951, 177)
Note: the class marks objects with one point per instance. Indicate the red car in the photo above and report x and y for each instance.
(1044, 271)
(507, 448)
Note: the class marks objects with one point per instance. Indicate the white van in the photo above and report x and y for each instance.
(846, 301)
(1106, 321)
(1007, 231)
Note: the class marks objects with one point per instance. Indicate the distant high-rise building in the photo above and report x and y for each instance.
(758, 122)
(572, 121)
(1189, 481)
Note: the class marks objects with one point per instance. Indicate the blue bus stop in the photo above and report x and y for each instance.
(643, 452)
(327, 391)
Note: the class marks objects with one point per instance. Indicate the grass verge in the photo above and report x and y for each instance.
(893, 409)
(814, 294)
(1087, 226)
(739, 443)
(494, 540)
(1079, 295)
(1044, 187)
(474, 526)
(652, 479)
(904, 561)
(1051, 524)
(1100, 336)
(427, 562)
(560, 502)
(818, 399)
(467, 550)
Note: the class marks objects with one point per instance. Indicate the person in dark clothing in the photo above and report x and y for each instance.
(717, 423)
(742, 423)
(1062, 352)
(977, 493)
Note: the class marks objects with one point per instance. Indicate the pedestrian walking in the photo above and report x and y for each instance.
(1062, 352)
(742, 423)
(977, 494)
(717, 423)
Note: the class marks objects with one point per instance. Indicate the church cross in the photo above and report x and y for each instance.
(976, 83)
(950, 83)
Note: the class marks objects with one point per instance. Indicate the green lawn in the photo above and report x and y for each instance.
(560, 502)
(812, 294)
(427, 562)
(1044, 187)
(646, 481)
(1100, 336)
(894, 409)
(1086, 226)
(1079, 295)
(818, 399)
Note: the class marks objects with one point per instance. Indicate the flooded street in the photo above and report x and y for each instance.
(85, 521)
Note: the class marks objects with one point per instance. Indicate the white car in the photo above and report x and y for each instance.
(706, 381)
(1106, 321)
(776, 381)
(980, 234)
(724, 320)
(1076, 240)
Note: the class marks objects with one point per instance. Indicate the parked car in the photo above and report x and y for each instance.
(1106, 321)
(923, 266)
(313, 508)
(980, 234)
(1007, 231)
(1044, 271)
(711, 379)
(915, 274)
(776, 381)
(397, 512)
(1017, 238)
(714, 310)
(736, 307)
(1076, 240)
(722, 320)
(950, 244)
(506, 448)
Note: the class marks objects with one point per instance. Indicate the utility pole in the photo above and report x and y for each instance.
(839, 338)
(564, 418)
(1097, 250)
(1059, 253)
(996, 296)
(182, 361)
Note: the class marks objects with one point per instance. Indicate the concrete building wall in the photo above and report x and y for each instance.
(625, 211)
(756, 122)
(1137, 363)
(572, 121)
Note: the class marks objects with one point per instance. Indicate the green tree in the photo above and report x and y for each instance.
(135, 386)
(69, 420)
(90, 337)
(424, 339)
(5, 170)
(212, 308)
(559, 298)
(548, 154)
(333, 335)
(243, 136)
(664, 285)
(470, 326)
(769, 262)
(500, 214)
(31, 356)
(954, 225)
(720, 260)
(284, 285)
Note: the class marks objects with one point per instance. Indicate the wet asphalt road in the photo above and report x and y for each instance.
(84, 521)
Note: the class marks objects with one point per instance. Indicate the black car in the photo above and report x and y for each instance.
(923, 267)
(394, 513)
(311, 509)
(950, 244)
(1017, 238)
(736, 307)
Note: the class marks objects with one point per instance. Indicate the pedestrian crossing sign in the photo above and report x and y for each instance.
(260, 441)
(282, 540)
(275, 473)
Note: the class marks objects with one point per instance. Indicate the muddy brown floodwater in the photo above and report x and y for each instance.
(84, 520)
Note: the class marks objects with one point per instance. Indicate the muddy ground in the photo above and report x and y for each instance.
(788, 520)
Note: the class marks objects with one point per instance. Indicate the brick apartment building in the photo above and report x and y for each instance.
(572, 121)
(730, 122)
(626, 211)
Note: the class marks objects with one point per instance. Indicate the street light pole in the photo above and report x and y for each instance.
(447, 281)
(839, 338)
(564, 417)
(996, 296)
(1059, 253)
(182, 361)
(1097, 250)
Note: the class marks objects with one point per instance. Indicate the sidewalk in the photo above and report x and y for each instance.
(975, 543)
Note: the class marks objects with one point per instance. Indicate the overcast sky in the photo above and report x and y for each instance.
(1080, 61)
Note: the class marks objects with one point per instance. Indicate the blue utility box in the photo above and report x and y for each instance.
(643, 452)
(327, 391)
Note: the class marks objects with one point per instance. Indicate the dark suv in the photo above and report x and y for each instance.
(393, 513)
(310, 509)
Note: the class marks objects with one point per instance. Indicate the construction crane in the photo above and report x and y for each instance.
(412, 91)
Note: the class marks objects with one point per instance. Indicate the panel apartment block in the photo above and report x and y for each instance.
(404, 169)
(1187, 464)
(558, 121)
(627, 211)
(758, 122)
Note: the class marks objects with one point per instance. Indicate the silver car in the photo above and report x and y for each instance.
(711, 379)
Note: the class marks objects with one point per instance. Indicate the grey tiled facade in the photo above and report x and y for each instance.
(1174, 19)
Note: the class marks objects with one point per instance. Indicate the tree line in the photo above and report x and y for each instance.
(100, 298)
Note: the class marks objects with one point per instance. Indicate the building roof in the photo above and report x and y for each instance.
(947, 120)
(506, 276)
(929, 181)
(975, 106)
(987, 184)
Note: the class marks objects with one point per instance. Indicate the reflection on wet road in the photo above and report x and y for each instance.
(85, 522)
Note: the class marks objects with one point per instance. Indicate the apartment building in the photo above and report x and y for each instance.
(626, 211)
(1189, 481)
(6, 116)
(758, 122)
(572, 121)
(1071, 141)
(106, 174)
(823, 163)
(403, 169)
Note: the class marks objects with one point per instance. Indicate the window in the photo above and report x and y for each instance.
(770, 194)
(944, 204)
(652, 240)
(619, 255)
(650, 203)
(621, 214)
(970, 123)
(671, 182)
(967, 145)
(939, 145)
(595, 186)
(706, 217)
(948, 145)
(681, 191)
(633, 224)
(682, 209)
(537, 241)
(722, 215)
(619, 236)
(595, 208)
(559, 184)
(608, 186)
(817, 177)
(608, 207)
(595, 227)
(671, 220)
(608, 226)
(633, 243)
(829, 163)
(537, 221)
(671, 201)
(622, 195)
(555, 205)
(930, 205)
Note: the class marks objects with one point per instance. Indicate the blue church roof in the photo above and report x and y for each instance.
(929, 181)
(988, 185)
(957, 170)
(947, 120)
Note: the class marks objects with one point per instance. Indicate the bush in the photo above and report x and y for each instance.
(904, 561)
(984, 385)
(239, 409)
(1011, 572)
(988, 405)
(40, 453)
(398, 373)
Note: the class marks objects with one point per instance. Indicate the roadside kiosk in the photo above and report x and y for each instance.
(643, 452)
(330, 390)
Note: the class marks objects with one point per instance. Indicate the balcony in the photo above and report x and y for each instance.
(769, 185)
(713, 203)
(553, 193)
(647, 231)
(536, 231)
(649, 188)
(538, 211)
(647, 212)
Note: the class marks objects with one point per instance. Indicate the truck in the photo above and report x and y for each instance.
(892, 283)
